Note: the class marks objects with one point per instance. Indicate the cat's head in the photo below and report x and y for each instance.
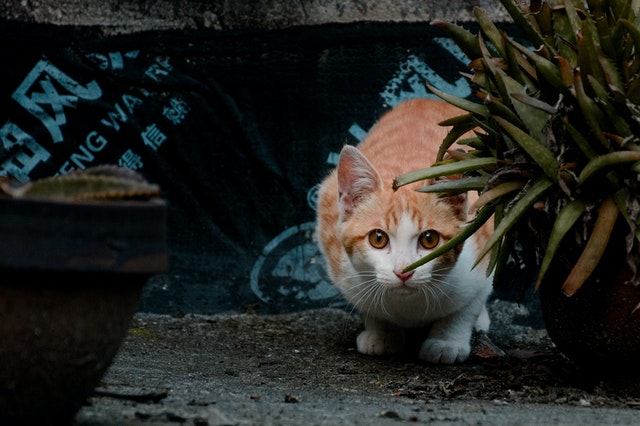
(384, 231)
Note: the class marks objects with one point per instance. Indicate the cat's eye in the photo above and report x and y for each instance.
(378, 238)
(429, 239)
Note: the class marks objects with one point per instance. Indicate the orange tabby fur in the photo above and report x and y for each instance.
(405, 139)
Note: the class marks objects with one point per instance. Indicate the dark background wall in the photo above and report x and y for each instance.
(237, 112)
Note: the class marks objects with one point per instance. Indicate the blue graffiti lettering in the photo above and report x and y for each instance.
(35, 99)
(25, 152)
(414, 73)
(94, 142)
(123, 109)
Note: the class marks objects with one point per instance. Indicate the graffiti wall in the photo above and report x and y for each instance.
(237, 128)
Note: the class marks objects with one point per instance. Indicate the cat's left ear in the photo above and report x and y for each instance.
(357, 179)
(458, 202)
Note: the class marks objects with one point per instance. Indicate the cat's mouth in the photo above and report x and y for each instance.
(403, 289)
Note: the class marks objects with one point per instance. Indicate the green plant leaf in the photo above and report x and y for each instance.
(470, 106)
(530, 194)
(621, 197)
(517, 66)
(565, 220)
(588, 149)
(534, 102)
(633, 89)
(592, 114)
(474, 183)
(580, 141)
(459, 120)
(534, 118)
(588, 60)
(454, 134)
(447, 169)
(599, 163)
(490, 30)
(496, 192)
(468, 230)
(520, 19)
(466, 41)
(566, 71)
(538, 152)
(634, 32)
(621, 38)
(599, 20)
(565, 26)
(611, 73)
(543, 16)
(491, 69)
(573, 21)
(619, 124)
(497, 253)
(546, 69)
(498, 108)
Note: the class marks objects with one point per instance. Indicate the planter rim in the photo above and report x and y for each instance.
(89, 235)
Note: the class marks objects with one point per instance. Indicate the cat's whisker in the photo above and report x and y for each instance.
(377, 299)
(365, 294)
(436, 294)
(383, 299)
(358, 279)
(440, 293)
(427, 299)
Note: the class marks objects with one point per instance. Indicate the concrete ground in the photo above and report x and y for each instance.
(303, 369)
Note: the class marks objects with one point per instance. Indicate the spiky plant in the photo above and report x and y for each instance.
(106, 182)
(557, 130)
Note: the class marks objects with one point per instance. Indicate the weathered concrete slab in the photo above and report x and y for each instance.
(303, 369)
(131, 16)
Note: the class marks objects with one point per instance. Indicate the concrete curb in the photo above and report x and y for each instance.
(133, 16)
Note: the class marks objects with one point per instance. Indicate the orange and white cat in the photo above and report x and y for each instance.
(368, 234)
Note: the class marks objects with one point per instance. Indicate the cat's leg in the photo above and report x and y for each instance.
(449, 339)
(380, 338)
(484, 321)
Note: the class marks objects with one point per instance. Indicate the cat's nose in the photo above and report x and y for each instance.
(404, 276)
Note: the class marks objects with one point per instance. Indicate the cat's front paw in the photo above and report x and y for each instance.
(379, 343)
(440, 351)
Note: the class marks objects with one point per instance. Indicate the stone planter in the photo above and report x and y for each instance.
(72, 275)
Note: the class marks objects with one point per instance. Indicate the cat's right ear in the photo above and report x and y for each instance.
(357, 180)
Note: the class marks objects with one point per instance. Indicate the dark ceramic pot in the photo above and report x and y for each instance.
(72, 275)
(599, 326)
